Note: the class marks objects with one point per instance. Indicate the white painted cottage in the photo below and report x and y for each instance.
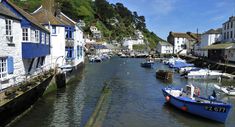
(183, 42)
(44, 14)
(164, 47)
(208, 38)
(11, 63)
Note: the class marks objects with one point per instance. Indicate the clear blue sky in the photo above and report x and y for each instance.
(163, 16)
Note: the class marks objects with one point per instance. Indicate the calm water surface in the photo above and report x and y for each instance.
(136, 99)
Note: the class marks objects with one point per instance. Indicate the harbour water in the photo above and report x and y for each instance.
(136, 99)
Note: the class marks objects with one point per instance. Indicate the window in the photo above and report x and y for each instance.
(32, 35)
(224, 35)
(227, 35)
(231, 34)
(37, 36)
(231, 25)
(81, 51)
(228, 26)
(78, 52)
(25, 34)
(53, 30)
(8, 27)
(3, 67)
(47, 39)
(42, 38)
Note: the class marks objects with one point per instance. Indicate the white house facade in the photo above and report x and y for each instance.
(164, 48)
(35, 40)
(208, 38)
(228, 30)
(130, 42)
(182, 42)
(75, 42)
(11, 63)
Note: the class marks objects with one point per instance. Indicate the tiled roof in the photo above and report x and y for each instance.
(6, 12)
(27, 16)
(45, 17)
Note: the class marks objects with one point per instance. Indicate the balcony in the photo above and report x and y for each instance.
(32, 50)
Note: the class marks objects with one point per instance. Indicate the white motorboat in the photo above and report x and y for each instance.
(187, 69)
(204, 74)
(227, 90)
(172, 60)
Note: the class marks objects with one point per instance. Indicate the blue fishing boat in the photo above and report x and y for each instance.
(189, 101)
(147, 64)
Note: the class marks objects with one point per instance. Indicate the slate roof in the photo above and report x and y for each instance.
(164, 43)
(219, 46)
(180, 35)
(212, 31)
(188, 35)
(27, 16)
(6, 12)
(63, 18)
(232, 18)
(46, 17)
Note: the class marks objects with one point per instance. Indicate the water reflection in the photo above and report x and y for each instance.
(136, 99)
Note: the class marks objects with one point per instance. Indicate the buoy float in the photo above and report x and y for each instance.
(184, 108)
(167, 98)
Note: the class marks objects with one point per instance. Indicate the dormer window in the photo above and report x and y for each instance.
(8, 27)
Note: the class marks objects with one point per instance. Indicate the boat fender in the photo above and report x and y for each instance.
(168, 99)
(184, 108)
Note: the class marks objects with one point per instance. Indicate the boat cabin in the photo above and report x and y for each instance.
(190, 91)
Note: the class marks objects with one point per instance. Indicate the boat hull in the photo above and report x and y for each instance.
(212, 111)
(202, 76)
(224, 90)
(147, 65)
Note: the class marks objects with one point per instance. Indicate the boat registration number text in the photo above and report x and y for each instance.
(215, 109)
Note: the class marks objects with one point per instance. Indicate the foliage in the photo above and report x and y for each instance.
(29, 5)
(114, 20)
(139, 47)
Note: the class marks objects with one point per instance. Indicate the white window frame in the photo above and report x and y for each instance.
(25, 34)
(43, 38)
(53, 30)
(9, 25)
(47, 39)
(37, 36)
(32, 36)
(3, 67)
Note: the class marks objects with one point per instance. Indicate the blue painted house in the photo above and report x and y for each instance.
(35, 39)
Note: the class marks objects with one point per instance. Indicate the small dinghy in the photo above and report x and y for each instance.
(230, 90)
(190, 101)
(147, 64)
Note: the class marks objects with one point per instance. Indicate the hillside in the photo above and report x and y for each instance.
(114, 20)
